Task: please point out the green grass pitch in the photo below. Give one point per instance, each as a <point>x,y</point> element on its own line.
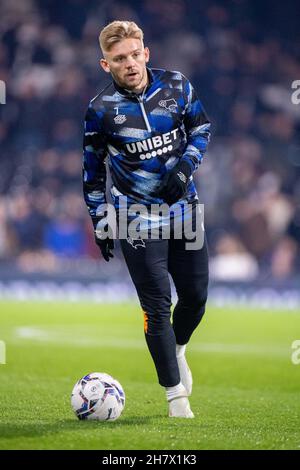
<point>245,395</point>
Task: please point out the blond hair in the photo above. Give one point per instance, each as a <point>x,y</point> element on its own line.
<point>116,31</point>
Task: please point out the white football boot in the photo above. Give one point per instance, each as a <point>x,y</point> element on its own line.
<point>186,377</point>
<point>180,408</point>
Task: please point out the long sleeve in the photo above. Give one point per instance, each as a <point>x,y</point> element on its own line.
<point>94,170</point>
<point>197,127</point>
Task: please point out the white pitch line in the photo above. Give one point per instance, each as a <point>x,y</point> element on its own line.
<point>68,339</point>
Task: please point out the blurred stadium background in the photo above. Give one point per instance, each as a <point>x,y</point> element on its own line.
<point>242,58</point>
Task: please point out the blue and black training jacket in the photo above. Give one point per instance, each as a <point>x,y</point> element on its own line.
<point>142,136</point>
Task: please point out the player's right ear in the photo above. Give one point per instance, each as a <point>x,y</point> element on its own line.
<point>147,54</point>
<point>105,65</point>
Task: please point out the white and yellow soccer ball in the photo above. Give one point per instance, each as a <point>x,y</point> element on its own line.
<point>98,396</point>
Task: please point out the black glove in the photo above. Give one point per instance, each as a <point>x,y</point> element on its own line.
<point>105,247</point>
<point>103,238</point>
<point>175,182</point>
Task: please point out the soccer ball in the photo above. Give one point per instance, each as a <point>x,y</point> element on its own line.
<point>98,396</point>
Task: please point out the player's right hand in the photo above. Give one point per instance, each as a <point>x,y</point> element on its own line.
<point>103,232</point>
<point>105,246</point>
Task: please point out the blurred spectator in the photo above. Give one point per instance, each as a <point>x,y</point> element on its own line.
<point>64,237</point>
<point>63,233</point>
<point>283,262</point>
<point>232,262</point>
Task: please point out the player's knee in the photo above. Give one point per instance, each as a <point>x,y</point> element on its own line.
<point>155,299</point>
<point>194,298</point>
<point>156,323</point>
<point>200,298</point>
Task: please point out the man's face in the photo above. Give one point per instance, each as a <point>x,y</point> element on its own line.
<point>126,61</point>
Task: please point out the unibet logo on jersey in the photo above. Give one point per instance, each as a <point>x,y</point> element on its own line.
<point>154,146</point>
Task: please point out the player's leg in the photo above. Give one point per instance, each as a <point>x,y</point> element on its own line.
<point>189,270</point>
<point>147,262</point>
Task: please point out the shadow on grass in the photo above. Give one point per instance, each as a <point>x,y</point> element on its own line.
<point>12,431</point>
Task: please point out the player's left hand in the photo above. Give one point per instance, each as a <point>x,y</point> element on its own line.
<point>174,184</point>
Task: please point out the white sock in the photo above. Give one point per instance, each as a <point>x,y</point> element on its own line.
<point>175,392</point>
<point>180,350</point>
